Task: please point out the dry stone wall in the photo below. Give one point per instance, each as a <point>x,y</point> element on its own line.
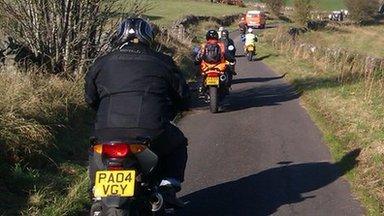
<point>180,27</point>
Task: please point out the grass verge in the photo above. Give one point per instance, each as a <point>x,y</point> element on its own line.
<point>44,129</point>
<point>348,119</point>
<point>363,39</point>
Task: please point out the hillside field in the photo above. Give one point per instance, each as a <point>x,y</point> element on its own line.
<point>321,4</point>
<point>164,12</point>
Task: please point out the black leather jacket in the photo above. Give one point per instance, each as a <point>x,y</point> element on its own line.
<point>134,88</point>
<point>228,42</point>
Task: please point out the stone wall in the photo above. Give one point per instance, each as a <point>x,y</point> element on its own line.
<point>180,27</point>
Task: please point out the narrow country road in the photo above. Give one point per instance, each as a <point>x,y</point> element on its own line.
<point>262,155</point>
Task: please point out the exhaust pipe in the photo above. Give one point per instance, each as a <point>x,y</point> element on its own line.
<point>157,202</point>
<point>223,78</point>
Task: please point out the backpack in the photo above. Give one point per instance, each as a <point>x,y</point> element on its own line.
<point>212,53</point>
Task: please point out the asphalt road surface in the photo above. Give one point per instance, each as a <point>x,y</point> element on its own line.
<point>262,155</point>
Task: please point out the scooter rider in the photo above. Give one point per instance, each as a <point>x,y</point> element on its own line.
<point>214,52</point>
<point>250,38</point>
<point>135,91</point>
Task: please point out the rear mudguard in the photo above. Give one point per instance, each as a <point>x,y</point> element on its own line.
<point>148,161</point>
<point>116,202</point>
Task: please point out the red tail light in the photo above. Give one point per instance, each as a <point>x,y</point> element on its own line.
<point>116,150</point>
<point>213,74</point>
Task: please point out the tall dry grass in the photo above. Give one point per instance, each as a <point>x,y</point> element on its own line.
<point>32,107</point>
<point>44,127</point>
<point>302,11</point>
<point>349,65</point>
<point>361,11</point>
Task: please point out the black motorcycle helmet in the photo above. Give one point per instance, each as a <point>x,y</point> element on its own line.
<point>225,34</point>
<point>212,35</point>
<point>134,30</point>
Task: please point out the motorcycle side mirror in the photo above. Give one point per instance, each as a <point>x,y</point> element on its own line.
<point>196,50</point>
<point>231,48</point>
<point>92,140</point>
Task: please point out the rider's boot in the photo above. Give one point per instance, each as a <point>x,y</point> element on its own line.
<point>168,190</point>
<point>201,89</point>
<point>201,92</point>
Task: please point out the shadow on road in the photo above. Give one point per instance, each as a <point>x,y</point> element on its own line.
<point>261,58</point>
<point>256,79</point>
<point>267,95</point>
<point>264,192</point>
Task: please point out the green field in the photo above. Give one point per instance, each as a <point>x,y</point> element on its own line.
<point>164,12</point>
<point>326,4</point>
<point>362,39</point>
<point>321,4</point>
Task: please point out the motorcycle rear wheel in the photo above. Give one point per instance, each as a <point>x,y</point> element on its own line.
<point>249,56</point>
<point>214,99</point>
<point>114,212</point>
<point>110,211</point>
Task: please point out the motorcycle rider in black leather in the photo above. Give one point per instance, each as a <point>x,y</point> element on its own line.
<point>136,92</point>
<point>228,42</point>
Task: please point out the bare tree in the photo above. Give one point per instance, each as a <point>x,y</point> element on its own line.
<point>361,11</point>
<point>275,6</point>
<point>302,11</point>
<point>139,7</point>
<point>64,35</point>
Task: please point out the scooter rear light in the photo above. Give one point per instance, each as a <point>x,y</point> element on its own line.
<point>112,150</point>
<point>116,150</point>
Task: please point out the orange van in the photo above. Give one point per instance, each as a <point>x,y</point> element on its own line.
<point>256,19</point>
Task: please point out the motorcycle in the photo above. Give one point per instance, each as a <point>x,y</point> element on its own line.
<point>127,180</point>
<point>250,51</point>
<point>215,81</point>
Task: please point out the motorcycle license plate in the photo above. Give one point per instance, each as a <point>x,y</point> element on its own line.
<point>115,183</point>
<point>251,49</point>
<point>212,81</point>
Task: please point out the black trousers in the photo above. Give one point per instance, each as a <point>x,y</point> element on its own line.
<point>171,148</point>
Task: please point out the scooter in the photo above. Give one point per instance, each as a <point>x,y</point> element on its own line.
<point>250,51</point>
<point>127,179</point>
